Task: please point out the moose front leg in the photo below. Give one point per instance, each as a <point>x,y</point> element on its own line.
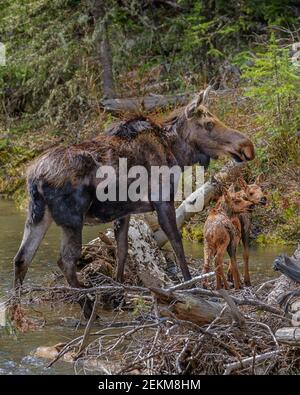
<point>167,220</point>
<point>121,235</point>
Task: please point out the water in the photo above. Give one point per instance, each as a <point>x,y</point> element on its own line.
<point>16,353</point>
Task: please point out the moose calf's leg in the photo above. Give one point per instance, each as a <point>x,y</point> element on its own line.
<point>245,241</point>
<point>233,265</point>
<point>34,233</point>
<point>207,262</point>
<point>69,254</point>
<point>220,276</point>
<point>121,235</point>
<point>247,280</point>
<point>167,221</point>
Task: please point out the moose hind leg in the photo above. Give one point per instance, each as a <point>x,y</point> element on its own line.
<point>208,258</point>
<point>70,252</point>
<point>231,249</point>
<point>245,240</point>
<point>220,276</point>
<point>167,221</point>
<point>34,233</point>
<point>121,235</point>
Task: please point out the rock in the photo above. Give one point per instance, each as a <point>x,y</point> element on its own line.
<point>51,352</point>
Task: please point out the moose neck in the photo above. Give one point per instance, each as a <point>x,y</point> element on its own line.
<point>185,153</point>
<point>225,208</point>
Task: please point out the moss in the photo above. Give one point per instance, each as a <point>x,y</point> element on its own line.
<point>270,239</point>
<point>193,232</point>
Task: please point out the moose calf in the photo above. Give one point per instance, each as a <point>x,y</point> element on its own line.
<point>242,222</point>
<point>220,235</point>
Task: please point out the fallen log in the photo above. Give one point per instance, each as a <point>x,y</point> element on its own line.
<point>189,308</point>
<point>290,335</point>
<point>145,103</point>
<point>288,266</point>
<point>152,101</point>
<point>287,285</point>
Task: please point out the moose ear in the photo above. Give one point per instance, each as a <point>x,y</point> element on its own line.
<point>259,179</point>
<point>201,98</point>
<point>190,109</point>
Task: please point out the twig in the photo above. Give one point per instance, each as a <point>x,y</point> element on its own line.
<point>266,285</point>
<point>236,314</point>
<point>269,330</point>
<point>249,361</point>
<point>100,288</point>
<point>193,281</point>
<point>88,328</point>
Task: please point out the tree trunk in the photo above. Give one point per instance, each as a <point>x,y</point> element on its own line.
<point>107,65</point>
<point>289,336</point>
<point>102,42</point>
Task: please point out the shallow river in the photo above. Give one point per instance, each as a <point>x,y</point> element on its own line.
<point>15,352</point>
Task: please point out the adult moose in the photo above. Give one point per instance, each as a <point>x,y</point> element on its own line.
<point>62,182</point>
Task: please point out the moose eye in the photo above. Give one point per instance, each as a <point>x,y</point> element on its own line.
<point>209,126</point>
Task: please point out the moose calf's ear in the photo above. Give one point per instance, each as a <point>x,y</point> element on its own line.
<point>226,196</point>
<point>259,179</point>
<point>242,183</point>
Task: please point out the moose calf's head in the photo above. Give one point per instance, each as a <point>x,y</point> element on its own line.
<point>237,202</point>
<point>254,191</point>
<point>211,137</point>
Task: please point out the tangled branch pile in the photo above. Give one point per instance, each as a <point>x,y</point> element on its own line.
<point>158,327</point>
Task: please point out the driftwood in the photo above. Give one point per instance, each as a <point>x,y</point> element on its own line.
<point>146,263</point>
<point>205,193</point>
<point>287,286</point>
<point>289,266</point>
<point>189,308</point>
<point>289,335</point>
<point>146,103</point>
